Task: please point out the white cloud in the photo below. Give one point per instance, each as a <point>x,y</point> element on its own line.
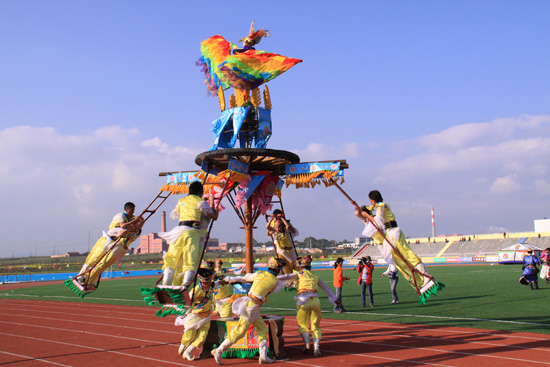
<point>505,185</point>
<point>67,185</point>
<point>323,152</point>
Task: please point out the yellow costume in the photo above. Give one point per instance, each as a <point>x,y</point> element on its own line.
<point>385,219</point>
<point>107,242</point>
<point>283,242</point>
<point>184,240</point>
<point>222,294</point>
<point>249,307</point>
<point>308,305</point>
<point>196,321</point>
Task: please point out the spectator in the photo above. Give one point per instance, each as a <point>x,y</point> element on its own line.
<point>545,269</point>
<point>338,282</point>
<point>530,270</point>
<point>365,269</point>
<point>393,276</point>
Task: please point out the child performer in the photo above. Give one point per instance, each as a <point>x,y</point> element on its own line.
<point>197,321</point>
<point>222,292</point>
<point>249,307</point>
<point>307,303</point>
<point>283,233</point>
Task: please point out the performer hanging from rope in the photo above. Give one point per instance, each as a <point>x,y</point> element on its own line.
<point>197,320</point>
<point>307,303</point>
<point>185,248</point>
<point>124,229</point>
<point>381,225</point>
<point>283,233</point>
<point>249,307</point>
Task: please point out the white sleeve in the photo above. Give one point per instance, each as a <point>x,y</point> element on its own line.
<point>288,278</point>
<point>205,208</point>
<point>324,287</point>
<point>379,217</point>
<point>248,278</point>
<point>118,218</point>
<point>174,214</point>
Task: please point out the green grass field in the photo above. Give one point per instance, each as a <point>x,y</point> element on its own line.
<point>477,296</point>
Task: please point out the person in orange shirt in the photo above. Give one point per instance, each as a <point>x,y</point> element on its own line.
<point>338,282</point>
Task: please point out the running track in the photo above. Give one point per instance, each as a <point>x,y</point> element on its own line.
<point>44,333</point>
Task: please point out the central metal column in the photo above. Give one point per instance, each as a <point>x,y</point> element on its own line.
<point>249,236</point>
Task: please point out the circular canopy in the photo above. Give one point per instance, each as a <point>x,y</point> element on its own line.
<point>258,159</point>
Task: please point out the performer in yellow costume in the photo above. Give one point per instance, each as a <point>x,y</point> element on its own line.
<point>197,320</point>
<point>222,292</point>
<point>249,307</point>
<point>404,258</point>
<point>181,260</point>
<point>283,234</point>
<point>125,226</point>
<point>307,303</point>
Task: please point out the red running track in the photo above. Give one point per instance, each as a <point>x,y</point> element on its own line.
<point>44,333</point>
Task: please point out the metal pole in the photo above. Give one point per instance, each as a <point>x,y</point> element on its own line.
<point>249,236</point>
<point>433,223</point>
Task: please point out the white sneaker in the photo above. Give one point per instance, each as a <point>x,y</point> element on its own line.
<point>187,354</point>
<point>181,349</point>
<point>217,356</point>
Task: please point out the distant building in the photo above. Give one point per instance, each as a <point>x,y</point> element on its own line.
<point>224,247</point>
<point>362,240</point>
<point>542,225</point>
<point>151,244</point>
<point>68,254</point>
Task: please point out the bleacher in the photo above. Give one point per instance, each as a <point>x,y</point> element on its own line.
<point>463,246</point>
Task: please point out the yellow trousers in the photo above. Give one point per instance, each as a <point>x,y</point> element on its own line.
<point>310,312</point>
<point>196,337</point>
<point>241,329</point>
<point>226,310</point>
<point>410,257</point>
<point>96,252</point>
<point>116,253</point>
<point>290,257</point>
<point>186,248</point>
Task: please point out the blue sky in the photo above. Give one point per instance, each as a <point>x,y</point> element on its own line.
<point>442,104</point>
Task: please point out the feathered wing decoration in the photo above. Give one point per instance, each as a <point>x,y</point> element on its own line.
<point>214,51</point>
<point>245,70</point>
<point>250,69</point>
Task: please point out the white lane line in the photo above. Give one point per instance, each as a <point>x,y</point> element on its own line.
<point>420,316</point>
<point>96,349</point>
<point>32,359</point>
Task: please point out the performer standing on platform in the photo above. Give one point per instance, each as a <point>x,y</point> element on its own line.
<point>119,228</point>
<point>402,256</point>
<point>185,240</point>
<point>249,307</point>
<point>307,303</point>
<point>283,233</point>
<point>197,320</point>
